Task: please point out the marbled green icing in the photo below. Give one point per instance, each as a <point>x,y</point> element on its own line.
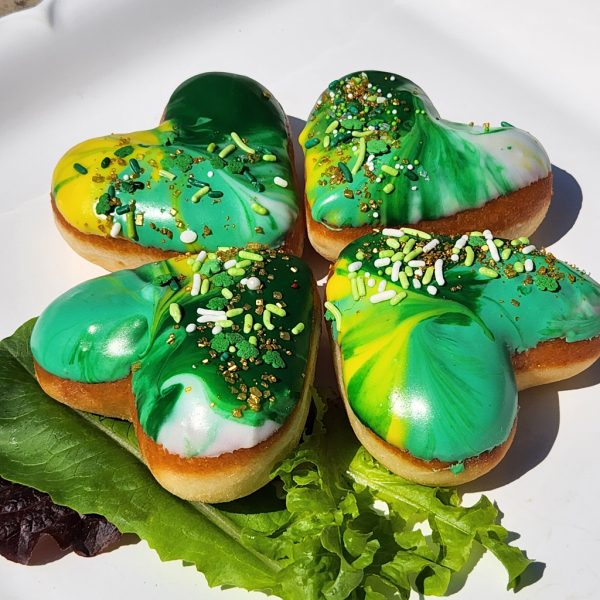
<point>432,374</point>
<point>100,329</point>
<point>442,167</point>
<point>204,110</point>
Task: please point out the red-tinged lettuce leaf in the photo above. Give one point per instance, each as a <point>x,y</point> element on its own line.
<point>27,514</point>
<point>318,534</point>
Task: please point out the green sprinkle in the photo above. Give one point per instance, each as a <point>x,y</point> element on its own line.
<point>514,242</point>
<point>393,243</point>
<point>398,256</point>
<point>252,339</point>
<point>403,280</point>
<point>388,188</point>
<point>215,194</point>
<point>250,256</point>
<point>476,234</point>
<point>242,264</point>
<point>227,150</point>
<point>389,170</point>
<point>408,271</point>
<point>346,174</point>
<point>326,141</point>
<point>360,157</point>
<point>360,255</point>
<point>124,151</point>
<point>236,272</point>
<point>428,275</point>
<point>196,266</point>
<point>242,145</point>
<point>269,157</point>
<point>388,270</point>
<point>498,243</point>
<point>130,225</point>
<point>386,253</point>
<point>175,312</point>
<point>267,320</point>
<point>225,324</point>
<point>524,240</point>
<point>201,192</point>
<point>398,298</point>
<point>354,287</point>
<point>80,168</point>
<point>166,174</point>
<point>336,314</point>
<point>211,147</point>
<point>234,312</point>
<point>470,259</point>
<point>105,162</point>
<point>123,209</point>
<point>205,286</point>
<point>362,134</point>
<point>333,125</point>
<point>111,191</point>
<point>519,267</point>
<point>416,252</point>
<point>299,328</point>
<point>227,293</point>
<point>360,285</point>
<point>506,253</point>
<point>248,323</point>
<point>487,272</point>
<point>457,468</point>
<point>421,234</point>
<point>257,326</point>
<point>352,275</point>
<point>259,209</point>
<point>135,165</point>
<point>277,310</point>
<point>409,245</point>
<point>311,142</point>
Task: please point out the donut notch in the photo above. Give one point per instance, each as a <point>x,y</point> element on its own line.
<point>433,336</point>
<point>378,154</point>
<point>217,171</point>
<point>212,359</point>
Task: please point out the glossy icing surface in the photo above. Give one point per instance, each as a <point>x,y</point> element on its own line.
<point>217,345</point>
<point>217,168</point>
<point>378,153</point>
<point>426,330</point>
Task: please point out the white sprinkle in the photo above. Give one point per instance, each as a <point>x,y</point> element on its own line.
<point>371,282</point>
<point>211,319</point>
<point>494,251</point>
<point>188,236</point>
<point>430,246</point>
<point>392,78</point>
<point>416,284</point>
<point>190,328</point>
<point>216,329</point>
<point>381,286</point>
<point>528,249</point>
<point>196,282</point>
<point>454,258</point>
<point>280,181</point>
<point>229,264</point>
<point>115,230</point>
<point>254,283</point>
<point>382,296</point>
<point>461,242</point>
<point>378,180</point>
<point>393,232</point>
<point>201,256</point>
<point>380,99</point>
<point>409,167</point>
<point>375,215</point>
<point>125,177</point>
<point>208,311</point>
<point>396,270</point>
<point>416,263</point>
<point>355,266</point>
<point>394,112</point>
<point>529,265</point>
<point>439,271</point>
<point>367,275</point>
<point>487,234</point>
<point>418,272</point>
<point>244,280</point>
<point>323,281</point>
<point>431,289</point>
<point>388,95</point>
<point>414,188</point>
<point>210,174</point>
<point>382,262</point>
<point>397,166</point>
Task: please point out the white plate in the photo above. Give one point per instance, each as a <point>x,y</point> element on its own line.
<point>71,69</point>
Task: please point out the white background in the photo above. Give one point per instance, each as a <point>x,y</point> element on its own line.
<point>71,69</point>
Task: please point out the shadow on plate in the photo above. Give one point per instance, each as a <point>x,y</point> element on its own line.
<point>564,209</point>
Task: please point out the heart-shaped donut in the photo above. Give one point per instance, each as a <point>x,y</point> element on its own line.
<point>212,358</point>
<point>433,336</point>
<point>378,154</point>
<point>217,172</point>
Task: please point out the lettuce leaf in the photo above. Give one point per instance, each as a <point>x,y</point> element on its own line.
<point>334,524</point>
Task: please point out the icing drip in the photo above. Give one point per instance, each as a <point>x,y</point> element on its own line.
<point>216,365</point>
<point>377,152</point>
<point>426,348</point>
<point>209,176</point>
